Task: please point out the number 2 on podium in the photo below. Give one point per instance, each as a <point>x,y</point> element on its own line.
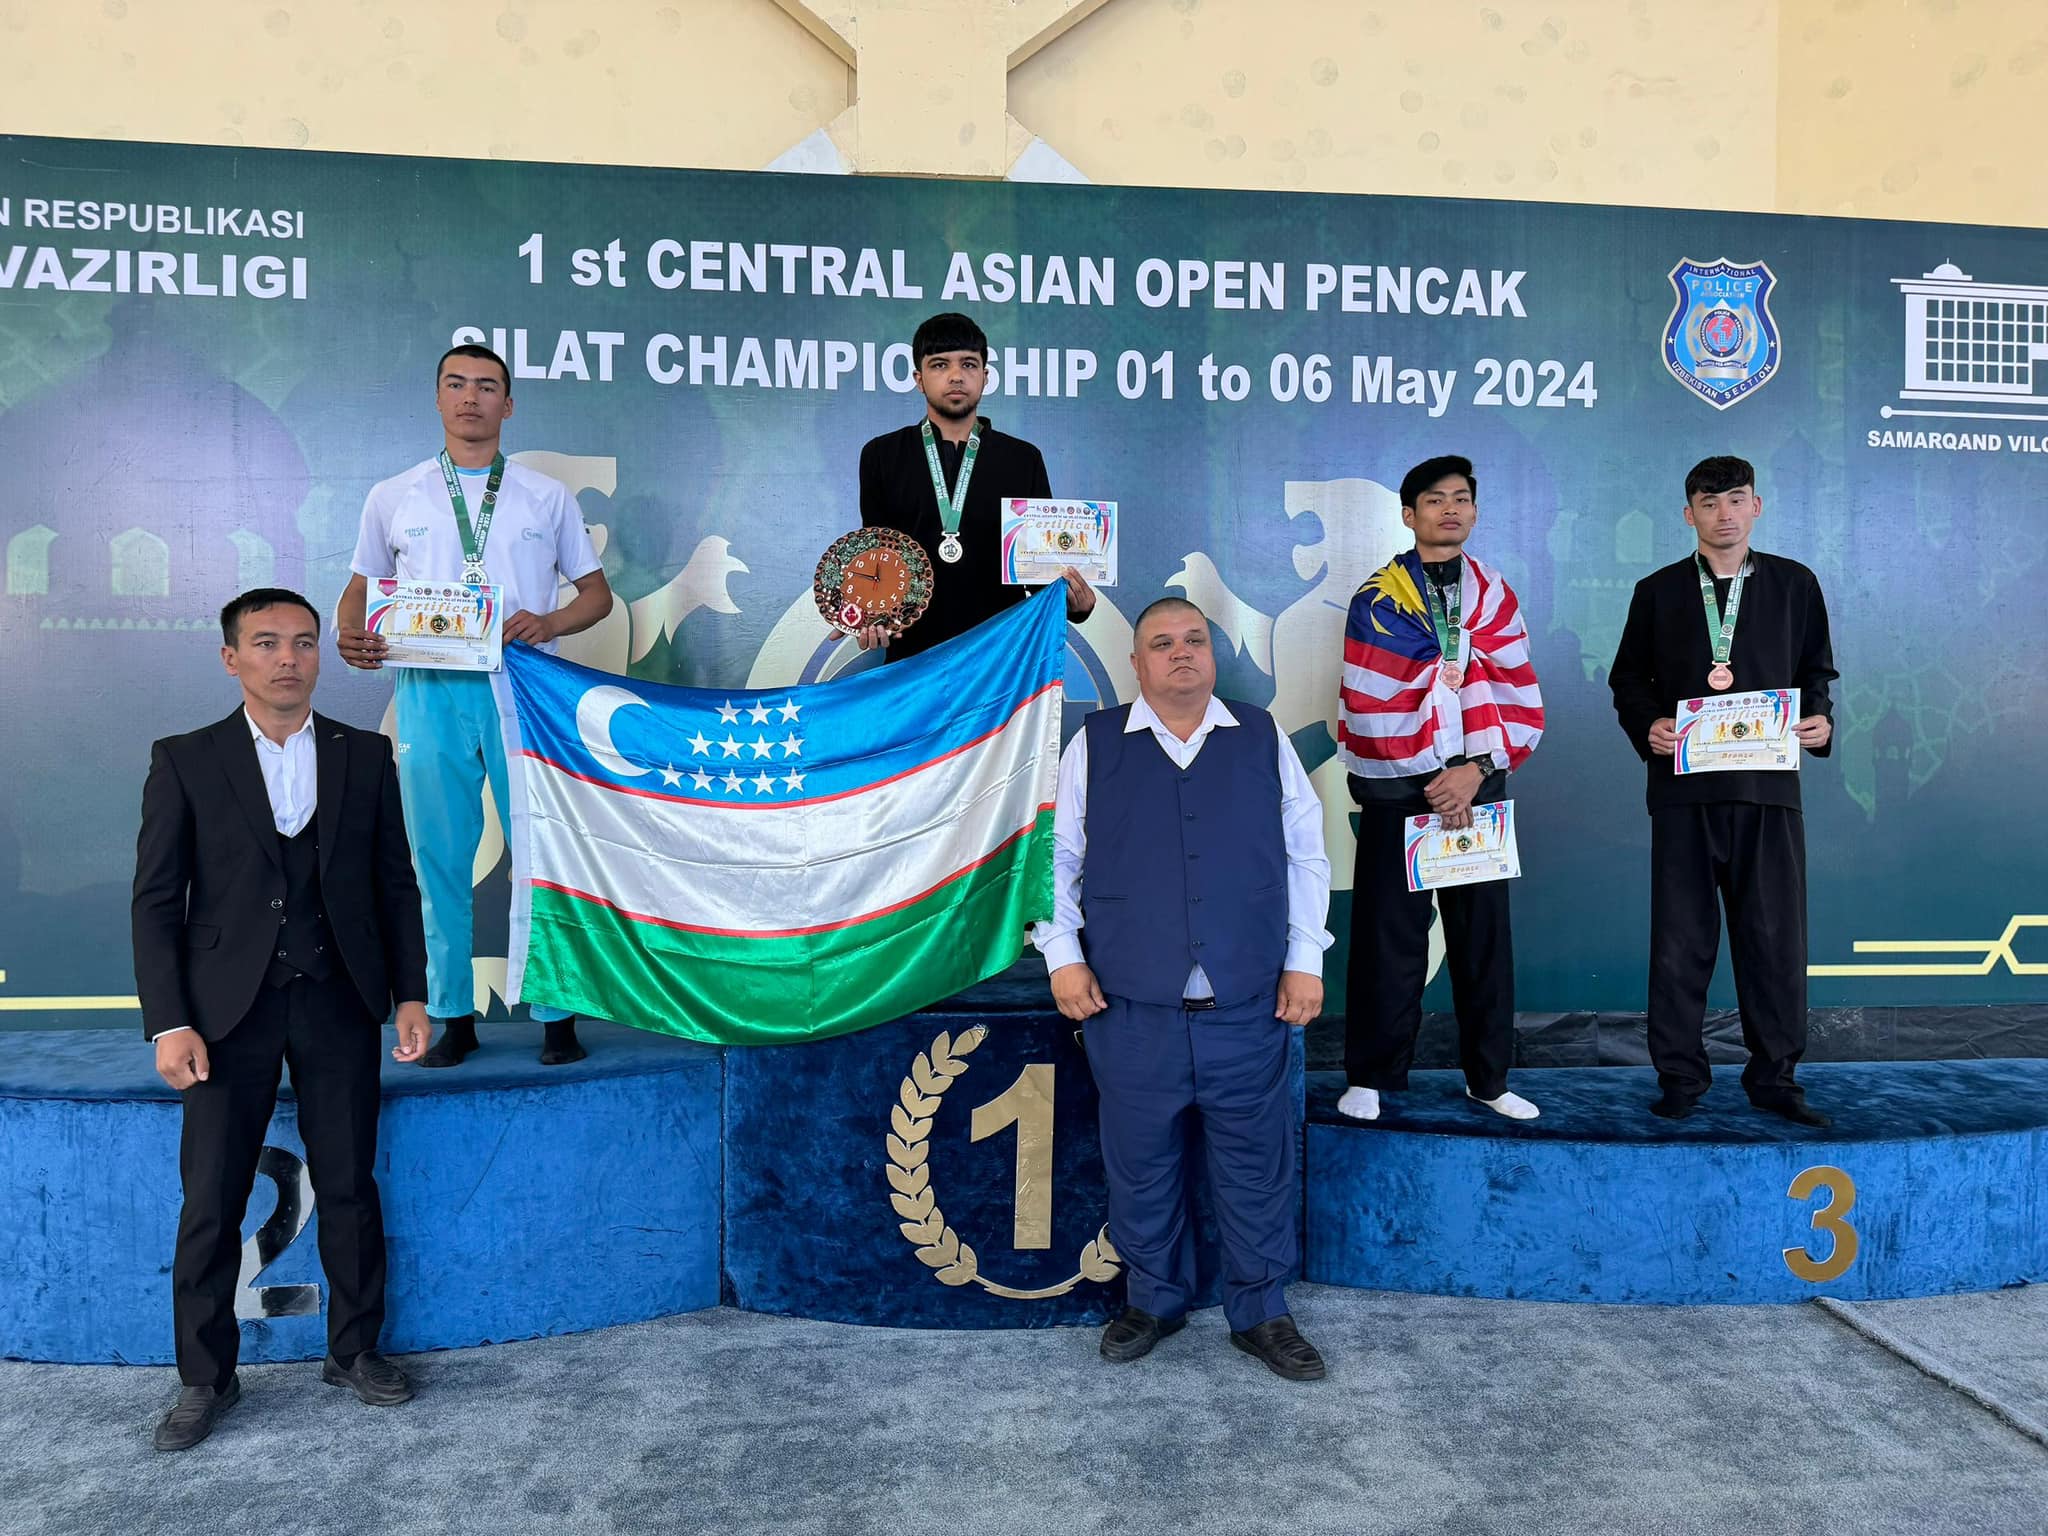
<point>1831,1218</point>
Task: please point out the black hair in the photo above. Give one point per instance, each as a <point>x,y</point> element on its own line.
<point>1429,471</point>
<point>253,599</point>
<point>1723,472</point>
<point>477,350</point>
<point>1160,605</point>
<point>949,332</point>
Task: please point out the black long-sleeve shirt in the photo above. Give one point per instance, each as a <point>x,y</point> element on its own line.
<point>896,492</point>
<point>1781,641</point>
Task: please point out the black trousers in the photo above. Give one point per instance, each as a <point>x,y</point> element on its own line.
<point>1750,859</point>
<point>1390,964</point>
<point>322,1029</point>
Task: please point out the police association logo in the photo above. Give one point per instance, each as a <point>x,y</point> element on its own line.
<point>1721,342</point>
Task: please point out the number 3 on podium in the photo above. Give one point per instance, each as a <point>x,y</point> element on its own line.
<point>1831,1218</point>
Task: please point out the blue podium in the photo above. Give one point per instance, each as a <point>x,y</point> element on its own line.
<point>518,1200</point>
<point>1930,1181</point>
<point>941,1171</point>
<point>944,1171</point>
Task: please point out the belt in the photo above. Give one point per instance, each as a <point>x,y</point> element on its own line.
<point>1198,1004</point>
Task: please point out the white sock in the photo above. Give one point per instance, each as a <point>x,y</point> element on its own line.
<point>1360,1103</point>
<point>1513,1105</point>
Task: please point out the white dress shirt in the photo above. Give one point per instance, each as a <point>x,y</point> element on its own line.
<point>1301,824</point>
<point>290,773</point>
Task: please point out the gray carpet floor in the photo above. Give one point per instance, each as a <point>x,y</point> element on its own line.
<point>1441,1415</point>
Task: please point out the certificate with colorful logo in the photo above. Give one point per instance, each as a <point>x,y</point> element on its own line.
<point>1738,730</point>
<point>437,623</point>
<point>1042,538</point>
<point>1438,856</point>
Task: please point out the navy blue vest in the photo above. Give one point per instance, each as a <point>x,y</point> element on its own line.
<point>1184,866</point>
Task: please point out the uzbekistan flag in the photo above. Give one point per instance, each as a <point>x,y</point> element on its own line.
<point>771,867</point>
<point>1396,717</point>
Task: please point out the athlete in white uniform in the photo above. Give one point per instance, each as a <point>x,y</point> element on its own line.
<point>464,507</point>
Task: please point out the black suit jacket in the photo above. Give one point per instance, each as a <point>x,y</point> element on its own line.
<point>1781,641</point>
<point>210,883</point>
<point>896,492</point>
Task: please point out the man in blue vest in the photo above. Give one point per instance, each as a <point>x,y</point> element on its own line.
<point>1193,948</point>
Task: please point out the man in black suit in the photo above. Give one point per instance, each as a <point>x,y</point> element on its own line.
<point>943,482</point>
<point>1726,617</point>
<point>276,919</point>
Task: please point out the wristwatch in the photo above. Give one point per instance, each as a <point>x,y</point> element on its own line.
<point>1484,763</point>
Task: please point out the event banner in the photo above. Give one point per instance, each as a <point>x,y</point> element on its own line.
<point>208,357</point>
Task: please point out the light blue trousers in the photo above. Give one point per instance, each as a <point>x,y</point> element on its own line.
<point>448,745</point>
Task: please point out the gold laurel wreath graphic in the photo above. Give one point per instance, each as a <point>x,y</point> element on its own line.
<point>910,1178</point>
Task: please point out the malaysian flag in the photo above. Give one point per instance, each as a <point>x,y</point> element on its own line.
<point>1397,714</point>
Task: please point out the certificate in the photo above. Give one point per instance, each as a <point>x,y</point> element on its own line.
<point>1738,730</point>
<point>437,623</point>
<point>1042,538</point>
<point>1438,856</point>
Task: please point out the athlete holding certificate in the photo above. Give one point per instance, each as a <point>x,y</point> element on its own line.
<point>464,538</point>
<point>944,482</point>
<point>1437,704</point>
<point>1727,832</point>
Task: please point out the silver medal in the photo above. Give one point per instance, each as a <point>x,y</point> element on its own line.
<point>949,549</point>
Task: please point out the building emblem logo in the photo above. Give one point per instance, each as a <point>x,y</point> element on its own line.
<point>1973,344</point>
<point>1721,342</point>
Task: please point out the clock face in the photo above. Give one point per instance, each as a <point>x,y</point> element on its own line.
<point>878,580</point>
<point>873,576</point>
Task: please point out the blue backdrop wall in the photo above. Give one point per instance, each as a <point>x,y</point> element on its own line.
<point>207,356</point>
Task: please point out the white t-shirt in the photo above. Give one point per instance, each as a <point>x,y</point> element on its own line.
<point>537,537</point>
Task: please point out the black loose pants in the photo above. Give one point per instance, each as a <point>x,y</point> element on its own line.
<point>1390,964</point>
<point>333,1045</point>
<point>1750,859</point>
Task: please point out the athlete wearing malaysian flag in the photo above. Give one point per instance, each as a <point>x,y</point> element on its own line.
<point>1438,704</point>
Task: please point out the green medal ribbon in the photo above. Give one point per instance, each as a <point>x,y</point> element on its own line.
<point>473,539</point>
<point>1446,608</point>
<point>951,505</point>
<point>1720,626</point>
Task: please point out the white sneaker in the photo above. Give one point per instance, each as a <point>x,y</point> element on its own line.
<point>1513,1105</point>
<point>1361,1103</point>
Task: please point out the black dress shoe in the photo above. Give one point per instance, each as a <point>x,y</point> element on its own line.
<point>1286,1353</point>
<point>1675,1106</point>
<point>559,1045</point>
<point>1792,1106</point>
<point>193,1416</point>
<point>1132,1333</point>
<point>374,1379</point>
<point>458,1039</point>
